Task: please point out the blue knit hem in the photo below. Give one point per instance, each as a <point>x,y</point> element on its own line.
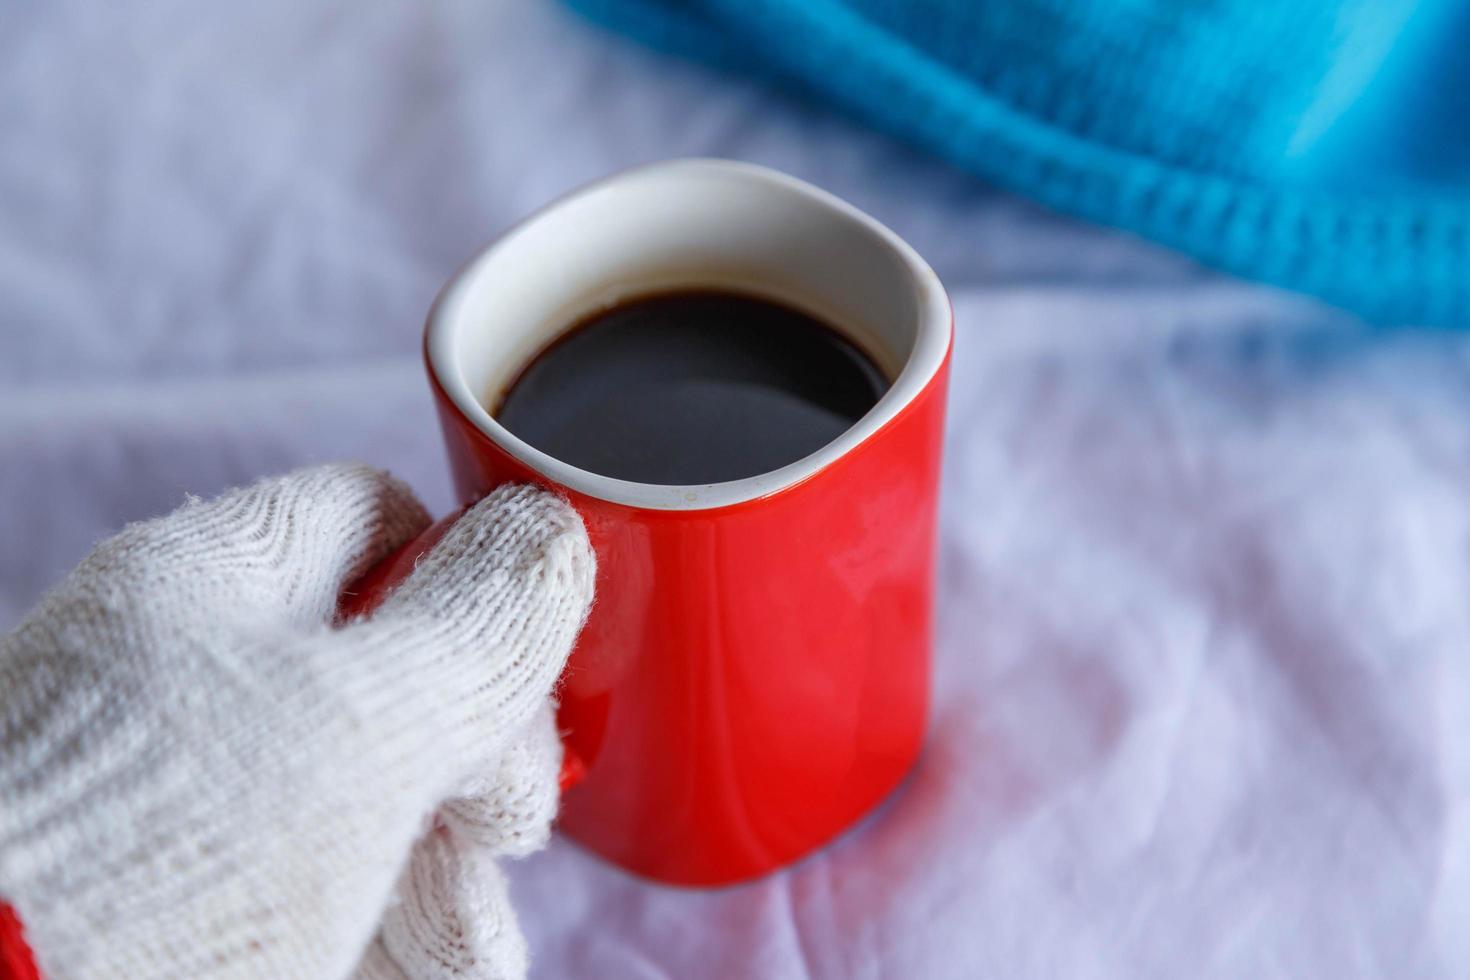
<point>1395,256</point>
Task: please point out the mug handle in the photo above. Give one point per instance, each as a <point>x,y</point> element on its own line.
<point>361,596</point>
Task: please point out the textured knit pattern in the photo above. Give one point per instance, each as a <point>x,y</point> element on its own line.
<point>452,918</point>
<point>1317,145</point>
<point>202,778</point>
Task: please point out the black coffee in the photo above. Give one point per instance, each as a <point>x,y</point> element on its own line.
<point>691,387</point>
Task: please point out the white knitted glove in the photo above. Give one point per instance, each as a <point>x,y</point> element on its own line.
<point>200,777</point>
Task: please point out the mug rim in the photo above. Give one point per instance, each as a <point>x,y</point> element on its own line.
<point>932,338</point>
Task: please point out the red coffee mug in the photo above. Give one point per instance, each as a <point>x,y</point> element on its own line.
<point>754,674</point>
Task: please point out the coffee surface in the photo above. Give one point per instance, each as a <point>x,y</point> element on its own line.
<point>691,387</point>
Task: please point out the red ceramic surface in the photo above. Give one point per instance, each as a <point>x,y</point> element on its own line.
<point>754,674</point>
<point>752,679</point>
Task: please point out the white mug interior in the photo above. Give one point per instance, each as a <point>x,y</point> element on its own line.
<point>686,223</point>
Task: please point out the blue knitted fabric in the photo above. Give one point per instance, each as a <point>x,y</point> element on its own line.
<point>1321,145</point>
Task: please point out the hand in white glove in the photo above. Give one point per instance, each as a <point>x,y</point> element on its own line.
<point>200,777</point>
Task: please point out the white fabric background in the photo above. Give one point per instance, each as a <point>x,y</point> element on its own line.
<point>1202,705</point>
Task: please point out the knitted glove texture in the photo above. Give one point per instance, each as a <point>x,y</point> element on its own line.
<point>201,777</point>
